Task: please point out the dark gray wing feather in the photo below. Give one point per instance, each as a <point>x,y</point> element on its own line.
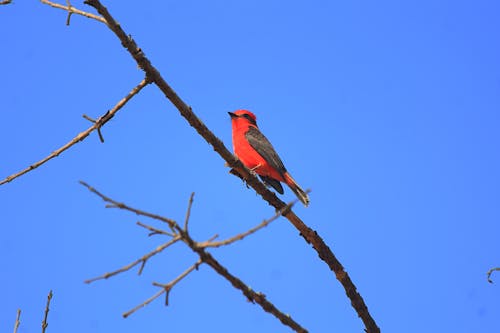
<point>262,145</point>
<point>273,183</point>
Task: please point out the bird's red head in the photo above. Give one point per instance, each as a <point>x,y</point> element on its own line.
<point>243,118</point>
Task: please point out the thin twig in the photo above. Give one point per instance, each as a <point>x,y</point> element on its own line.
<point>44,322</point>
<point>165,288</point>
<point>5,2</point>
<point>207,258</point>
<point>142,260</point>
<point>18,320</point>
<point>72,10</point>
<point>92,120</point>
<point>488,274</point>
<point>311,236</point>
<point>143,304</point>
<point>120,205</point>
<point>188,212</point>
<point>81,136</point>
<point>238,237</point>
<point>155,231</point>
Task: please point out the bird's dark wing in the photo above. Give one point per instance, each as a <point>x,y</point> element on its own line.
<point>273,183</point>
<point>262,145</point>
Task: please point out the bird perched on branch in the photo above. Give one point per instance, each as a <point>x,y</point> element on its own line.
<point>256,152</point>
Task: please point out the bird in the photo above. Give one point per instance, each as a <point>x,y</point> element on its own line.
<point>255,151</point>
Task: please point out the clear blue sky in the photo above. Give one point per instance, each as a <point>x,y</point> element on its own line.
<point>389,111</point>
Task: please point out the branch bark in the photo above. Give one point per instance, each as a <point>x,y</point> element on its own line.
<point>309,235</point>
<point>81,136</point>
<point>205,257</point>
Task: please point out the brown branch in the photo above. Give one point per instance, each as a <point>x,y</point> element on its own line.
<point>44,322</point>
<point>81,136</point>
<point>72,10</point>
<point>207,258</point>
<point>309,235</point>
<point>165,288</point>
<point>5,2</point>
<point>238,237</point>
<point>18,320</point>
<point>142,260</point>
<point>188,212</point>
<point>488,274</point>
<point>156,231</point>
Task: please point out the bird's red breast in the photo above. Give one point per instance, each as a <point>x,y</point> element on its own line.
<point>253,148</point>
<point>257,153</point>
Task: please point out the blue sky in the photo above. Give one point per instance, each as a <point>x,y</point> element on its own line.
<point>387,111</point>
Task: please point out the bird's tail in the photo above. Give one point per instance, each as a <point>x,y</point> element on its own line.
<point>299,192</point>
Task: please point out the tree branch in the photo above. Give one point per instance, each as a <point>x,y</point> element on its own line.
<point>165,289</point>
<point>141,261</point>
<point>72,10</point>
<point>18,320</point>
<point>81,136</point>
<point>238,237</point>
<point>44,322</point>
<point>206,258</point>
<point>309,235</point>
<point>488,274</point>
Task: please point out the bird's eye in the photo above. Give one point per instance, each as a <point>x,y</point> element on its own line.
<point>247,116</point>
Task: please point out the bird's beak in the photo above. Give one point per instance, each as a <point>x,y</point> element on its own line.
<point>232,115</point>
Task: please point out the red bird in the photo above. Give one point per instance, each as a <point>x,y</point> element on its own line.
<point>256,152</point>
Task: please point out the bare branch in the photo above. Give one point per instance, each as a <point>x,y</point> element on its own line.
<point>488,274</point>
<point>165,288</point>
<point>81,136</point>
<point>207,258</point>
<point>155,231</point>
<point>311,236</point>
<point>238,237</point>
<point>5,2</point>
<point>143,304</point>
<point>72,10</point>
<point>18,320</point>
<point>141,261</point>
<point>120,205</point>
<point>44,322</point>
<point>188,212</point>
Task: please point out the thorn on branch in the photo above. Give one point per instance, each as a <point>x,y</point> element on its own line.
<point>69,12</point>
<point>72,10</point>
<point>99,123</point>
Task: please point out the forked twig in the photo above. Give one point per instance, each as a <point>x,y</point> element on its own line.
<point>165,289</point>
<point>72,10</point>
<point>265,223</point>
<point>81,136</point>
<point>204,257</point>
<point>311,236</point>
<point>141,261</point>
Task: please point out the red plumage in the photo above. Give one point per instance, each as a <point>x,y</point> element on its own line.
<point>257,153</point>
